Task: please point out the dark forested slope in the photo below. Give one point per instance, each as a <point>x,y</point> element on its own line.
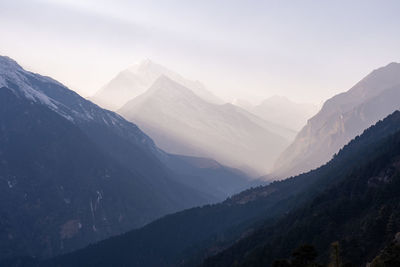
<point>361,211</point>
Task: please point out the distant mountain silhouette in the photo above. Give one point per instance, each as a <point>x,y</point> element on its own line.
<point>282,111</point>
<point>137,79</point>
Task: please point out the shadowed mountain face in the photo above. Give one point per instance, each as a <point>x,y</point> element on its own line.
<point>342,118</point>
<point>181,122</point>
<point>342,187</point>
<point>137,79</point>
<point>72,173</point>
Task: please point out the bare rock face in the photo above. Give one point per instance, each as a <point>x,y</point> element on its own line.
<point>342,118</point>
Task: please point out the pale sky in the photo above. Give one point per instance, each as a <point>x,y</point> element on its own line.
<point>250,49</point>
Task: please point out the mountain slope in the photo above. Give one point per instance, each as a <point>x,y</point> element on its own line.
<point>275,128</point>
<point>58,190</point>
<point>180,122</point>
<point>209,176</point>
<point>137,79</point>
<point>72,173</point>
<point>342,118</point>
<point>185,238</point>
<point>359,211</point>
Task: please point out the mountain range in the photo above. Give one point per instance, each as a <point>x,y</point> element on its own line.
<point>73,173</point>
<point>342,118</point>
<point>135,80</point>
<point>82,186</point>
<point>356,188</point>
<point>181,122</point>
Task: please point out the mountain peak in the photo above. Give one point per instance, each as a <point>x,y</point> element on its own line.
<point>377,81</point>
<point>391,67</point>
<point>8,64</point>
<point>146,61</point>
<point>165,85</point>
<point>135,80</point>
<point>147,65</point>
<point>392,64</point>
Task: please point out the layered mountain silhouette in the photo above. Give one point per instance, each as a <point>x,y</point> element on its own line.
<point>358,187</point>
<point>341,118</point>
<point>284,112</point>
<point>137,79</point>
<point>181,122</point>
<point>73,173</point>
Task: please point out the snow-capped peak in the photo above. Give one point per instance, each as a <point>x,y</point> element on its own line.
<point>46,91</point>
<point>15,78</point>
<point>8,64</point>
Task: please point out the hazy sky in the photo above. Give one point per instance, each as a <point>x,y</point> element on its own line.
<point>251,49</point>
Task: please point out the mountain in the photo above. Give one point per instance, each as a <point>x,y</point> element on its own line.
<point>341,118</point>
<point>180,122</point>
<point>358,214</point>
<point>244,104</point>
<point>137,79</point>
<point>281,111</point>
<point>275,128</point>
<point>186,238</point>
<point>73,173</point>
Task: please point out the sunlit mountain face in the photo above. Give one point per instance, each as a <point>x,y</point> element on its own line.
<point>342,118</point>
<point>183,123</point>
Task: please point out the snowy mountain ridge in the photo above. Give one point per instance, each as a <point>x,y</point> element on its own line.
<point>65,102</point>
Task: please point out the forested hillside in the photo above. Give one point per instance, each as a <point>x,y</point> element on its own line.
<point>360,211</point>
